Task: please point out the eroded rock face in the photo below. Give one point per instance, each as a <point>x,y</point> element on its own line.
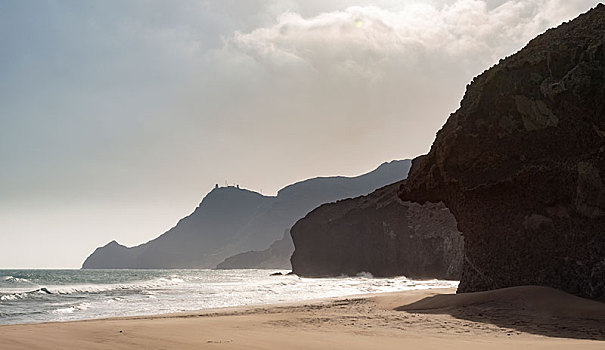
<point>521,164</point>
<point>379,234</point>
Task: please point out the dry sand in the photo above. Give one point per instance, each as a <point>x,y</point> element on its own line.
<point>520,318</point>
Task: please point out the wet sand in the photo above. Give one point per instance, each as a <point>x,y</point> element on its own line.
<point>521,317</point>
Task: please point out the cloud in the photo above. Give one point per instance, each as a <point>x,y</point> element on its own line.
<point>367,78</point>
<point>366,37</point>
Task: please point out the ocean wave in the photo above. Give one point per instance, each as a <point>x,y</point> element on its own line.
<point>140,287</point>
<point>91,294</point>
<point>100,288</point>
<point>72,308</point>
<point>12,297</point>
<point>23,295</point>
<point>113,300</point>
<point>364,274</point>
<point>14,279</point>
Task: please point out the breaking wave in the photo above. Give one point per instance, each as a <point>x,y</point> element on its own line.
<point>46,295</point>
<point>92,288</point>
<point>99,288</point>
<point>14,279</point>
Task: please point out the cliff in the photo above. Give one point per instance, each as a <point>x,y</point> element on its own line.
<point>231,221</point>
<point>521,165</point>
<point>277,256</point>
<point>379,234</point>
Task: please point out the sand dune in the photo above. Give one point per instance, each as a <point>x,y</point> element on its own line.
<point>529,309</point>
<point>519,317</point>
<point>532,299</point>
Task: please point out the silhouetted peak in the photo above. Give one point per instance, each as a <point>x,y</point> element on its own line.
<point>114,244</point>
<point>226,194</point>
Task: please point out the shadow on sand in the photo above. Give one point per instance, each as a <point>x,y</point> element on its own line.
<point>530,309</point>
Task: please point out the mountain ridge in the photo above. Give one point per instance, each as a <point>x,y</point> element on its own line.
<point>232,220</point>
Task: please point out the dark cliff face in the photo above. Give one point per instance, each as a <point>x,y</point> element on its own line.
<point>379,234</point>
<point>231,220</point>
<point>521,165</point>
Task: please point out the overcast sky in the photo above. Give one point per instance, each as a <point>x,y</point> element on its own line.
<point>117,117</point>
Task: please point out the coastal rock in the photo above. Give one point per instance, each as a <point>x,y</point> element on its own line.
<point>231,220</point>
<point>277,256</point>
<point>379,234</point>
<point>521,165</point>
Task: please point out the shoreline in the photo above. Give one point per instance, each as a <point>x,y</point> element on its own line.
<point>36,301</point>
<point>236,308</point>
<point>428,319</point>
<point>285,289</point>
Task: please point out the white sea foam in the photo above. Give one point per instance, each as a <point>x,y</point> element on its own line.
<point>99,288</point>
<point>365,275</point>
<point>83,295</point>
<point>14,279</point>
<point>23,295</point>
<point>11,297</point>
<point>73,308</point>
<point>141,287</point>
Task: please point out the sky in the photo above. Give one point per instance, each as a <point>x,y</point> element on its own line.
<point>117,117</point>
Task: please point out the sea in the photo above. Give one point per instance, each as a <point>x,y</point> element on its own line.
<point>34,296</point>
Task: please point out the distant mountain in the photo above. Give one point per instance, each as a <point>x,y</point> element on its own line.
<point>230,220</point>
<point>277,256</point>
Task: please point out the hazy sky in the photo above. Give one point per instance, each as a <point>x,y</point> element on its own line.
<point>117,117</point>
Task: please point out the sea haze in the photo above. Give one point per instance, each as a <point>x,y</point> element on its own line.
<point>31,296</point>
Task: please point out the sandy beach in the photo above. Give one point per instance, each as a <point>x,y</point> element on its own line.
<point>521,317</point>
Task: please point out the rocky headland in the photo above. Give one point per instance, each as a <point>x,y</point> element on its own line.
<point>521,165</point>
<point>379,234</point>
